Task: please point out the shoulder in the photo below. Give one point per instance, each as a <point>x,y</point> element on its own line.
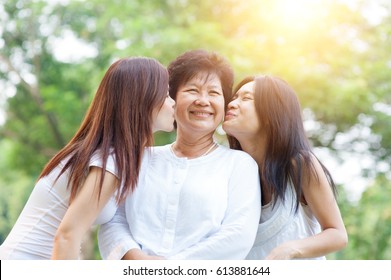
<point>97,155</point>
<point>236,153</point>
<point>158,153</point>
<point>307,159</point>
<point>159,150</point>
<point>315,167</point>
<point>111,165</point>
<point>237,157</point>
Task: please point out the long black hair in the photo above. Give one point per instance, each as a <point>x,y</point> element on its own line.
<point>288,154</point>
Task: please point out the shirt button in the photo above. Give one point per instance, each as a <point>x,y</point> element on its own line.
<point>172,201</point>
<point>170,224</point>
<point>166,244</point>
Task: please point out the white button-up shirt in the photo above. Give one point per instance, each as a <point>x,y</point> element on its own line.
<point>202,208</point>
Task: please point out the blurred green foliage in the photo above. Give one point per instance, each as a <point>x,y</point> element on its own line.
<point>336,58</point>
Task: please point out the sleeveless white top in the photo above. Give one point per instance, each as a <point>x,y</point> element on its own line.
<point>281,224</point>
<point>33,233</point>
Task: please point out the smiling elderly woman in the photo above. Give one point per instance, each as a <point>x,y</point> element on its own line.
<point>195,199</point>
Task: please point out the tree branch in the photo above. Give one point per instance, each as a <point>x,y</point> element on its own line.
<point>35,93</point>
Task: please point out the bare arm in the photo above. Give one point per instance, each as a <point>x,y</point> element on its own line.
<point>137,254</point>
<point>82,213</point>
<point>333,237</point>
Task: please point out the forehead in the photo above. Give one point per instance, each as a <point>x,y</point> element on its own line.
<point>205,78</point>
<point>249,87</point>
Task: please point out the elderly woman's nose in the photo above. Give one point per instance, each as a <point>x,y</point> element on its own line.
<point>202,99</point>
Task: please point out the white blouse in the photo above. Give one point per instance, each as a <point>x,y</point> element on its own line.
<point>281,223</point>
<point>33,234</point>
<point>202,208</point>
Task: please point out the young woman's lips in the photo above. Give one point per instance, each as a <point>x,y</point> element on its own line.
<point>229,115</point>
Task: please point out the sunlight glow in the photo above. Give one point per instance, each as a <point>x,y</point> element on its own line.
<point>299,14</point>
<point>64,48</point>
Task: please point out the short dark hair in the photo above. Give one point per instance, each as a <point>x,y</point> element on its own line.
<point>190,63</point>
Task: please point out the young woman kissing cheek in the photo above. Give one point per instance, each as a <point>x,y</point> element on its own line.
<point>241,119</point>
<point>163,117</point>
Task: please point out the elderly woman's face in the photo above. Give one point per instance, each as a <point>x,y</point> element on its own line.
<point>200,104</point>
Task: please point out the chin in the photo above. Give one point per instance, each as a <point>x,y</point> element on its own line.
<point>226,128</point>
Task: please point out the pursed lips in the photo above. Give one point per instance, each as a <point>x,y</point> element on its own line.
<point>230,115</point>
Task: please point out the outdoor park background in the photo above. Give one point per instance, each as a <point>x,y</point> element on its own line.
<point>335,53</point>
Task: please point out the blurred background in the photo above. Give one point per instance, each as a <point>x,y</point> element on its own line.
<point>335,53</point>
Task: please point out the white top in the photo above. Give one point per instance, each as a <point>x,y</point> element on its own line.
<point>202,208</point>
<point>281,224</point>
<point>33,234</point>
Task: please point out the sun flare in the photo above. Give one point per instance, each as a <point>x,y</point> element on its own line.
<point>298,14</point>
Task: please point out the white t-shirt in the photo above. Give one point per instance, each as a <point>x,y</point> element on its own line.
<point>33,234</point>
<point>281,224</point>
<point>202,208</point>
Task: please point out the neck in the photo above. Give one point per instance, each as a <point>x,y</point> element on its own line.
<point>193,148</point>
<point>255,147</point>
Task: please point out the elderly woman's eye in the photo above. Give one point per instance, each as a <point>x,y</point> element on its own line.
<point>214,92</point>
<point>191,90</point>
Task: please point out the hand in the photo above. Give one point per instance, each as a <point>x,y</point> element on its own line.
<point>283,252</point>
<point>137,254</point>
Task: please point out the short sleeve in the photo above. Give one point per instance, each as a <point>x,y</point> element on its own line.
<point>96,160</point>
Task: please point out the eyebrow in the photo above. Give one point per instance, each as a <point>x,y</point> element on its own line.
<point>244,92</point>
<point>216,87</point>
<point>190,85</point>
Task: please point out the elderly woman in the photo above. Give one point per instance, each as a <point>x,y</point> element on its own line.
<point>195,199</point>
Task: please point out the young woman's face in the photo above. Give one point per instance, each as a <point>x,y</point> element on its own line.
<point>163,119</point>
<point>241,117</point>
<point>200,104</point>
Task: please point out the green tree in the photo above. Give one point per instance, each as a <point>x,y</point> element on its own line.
<point>14,190</point>
<point>336,59</point>
<point>369,224</point>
